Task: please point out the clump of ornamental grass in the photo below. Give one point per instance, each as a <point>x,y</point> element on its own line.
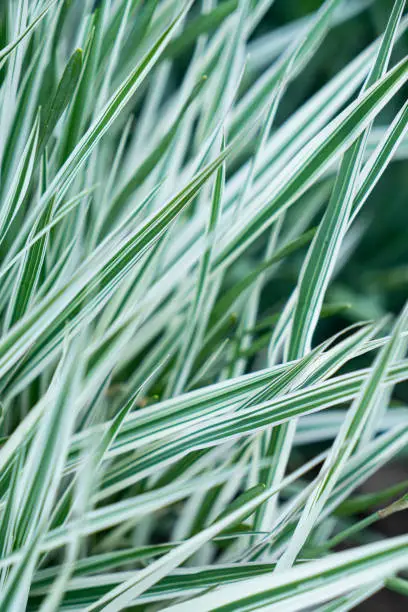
<point>197,372</point>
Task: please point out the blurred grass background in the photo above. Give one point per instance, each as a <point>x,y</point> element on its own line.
<point>375,278</point>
